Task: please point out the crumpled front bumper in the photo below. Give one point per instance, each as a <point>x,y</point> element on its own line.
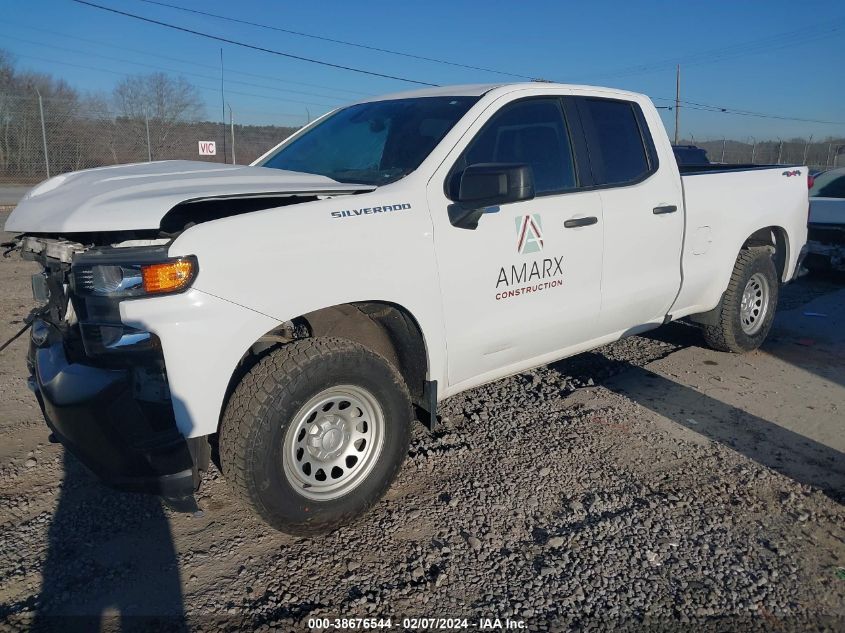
<point>129,444</point>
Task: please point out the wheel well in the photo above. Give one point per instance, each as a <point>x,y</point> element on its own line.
<point>385,328</point>
<point>774,236</point>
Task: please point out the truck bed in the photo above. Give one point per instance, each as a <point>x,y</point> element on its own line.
<point>689,170</point>
<point>726,203</point>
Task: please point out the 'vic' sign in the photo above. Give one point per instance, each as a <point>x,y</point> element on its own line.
<point>208,148</point>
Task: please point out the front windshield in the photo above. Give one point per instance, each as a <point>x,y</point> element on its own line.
<point>373,143</point>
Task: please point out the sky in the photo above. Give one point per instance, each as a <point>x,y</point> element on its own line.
<point>772,57</point>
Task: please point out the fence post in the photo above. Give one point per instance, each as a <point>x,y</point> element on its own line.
<point>149,147</point>
<point>232,126</point>
<point>43,131</point>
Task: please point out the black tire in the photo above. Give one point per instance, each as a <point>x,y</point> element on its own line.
<point>728,335</point>
<point>265,403</point>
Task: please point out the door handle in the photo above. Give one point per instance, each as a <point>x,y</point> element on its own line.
<point>668,208</point>
<point>576,222</point>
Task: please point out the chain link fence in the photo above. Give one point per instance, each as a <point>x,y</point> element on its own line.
<point>820,155</point>
<point>49,136</point>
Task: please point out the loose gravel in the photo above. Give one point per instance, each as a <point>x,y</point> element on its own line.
<point>546,497</point>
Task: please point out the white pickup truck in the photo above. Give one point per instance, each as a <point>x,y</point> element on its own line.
<point>299,312</point>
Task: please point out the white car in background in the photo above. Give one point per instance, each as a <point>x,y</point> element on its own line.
<point>826,225</point>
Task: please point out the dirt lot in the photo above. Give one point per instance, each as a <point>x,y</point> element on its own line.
<point>652,484</point>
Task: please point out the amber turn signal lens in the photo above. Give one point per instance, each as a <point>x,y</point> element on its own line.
<point>167,277</point>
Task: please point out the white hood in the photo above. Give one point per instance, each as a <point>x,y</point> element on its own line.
<point>136,197</point>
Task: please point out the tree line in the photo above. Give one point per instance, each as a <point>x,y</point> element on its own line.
<point>154,116</point>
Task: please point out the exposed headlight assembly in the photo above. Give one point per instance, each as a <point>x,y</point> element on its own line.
<point>134,280</point>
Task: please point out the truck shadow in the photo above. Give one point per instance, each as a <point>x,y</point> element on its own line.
<point>110,564</point>
<point>789,453</point>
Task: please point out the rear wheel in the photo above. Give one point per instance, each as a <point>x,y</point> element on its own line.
<point>315,433</point>
<point>748,306</point>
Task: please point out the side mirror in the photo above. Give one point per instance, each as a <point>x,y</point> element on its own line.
<point>487,185</point>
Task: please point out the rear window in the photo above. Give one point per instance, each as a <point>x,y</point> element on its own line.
<point>830,184</point>
<point>619,153</point>
<point>690,156</point>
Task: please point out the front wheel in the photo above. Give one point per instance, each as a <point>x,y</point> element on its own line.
<point>315,433</point>
<point>748,306</point>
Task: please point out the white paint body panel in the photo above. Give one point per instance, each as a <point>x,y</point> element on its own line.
<point>202,338</point>
<point>488,332</point>
<point>727,208</point>
<point>259,269</point>
<point>136,197</point>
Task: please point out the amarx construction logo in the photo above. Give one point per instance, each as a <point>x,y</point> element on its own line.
<point>529,233</point>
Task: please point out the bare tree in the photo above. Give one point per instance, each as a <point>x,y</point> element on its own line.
<point>160,102</point>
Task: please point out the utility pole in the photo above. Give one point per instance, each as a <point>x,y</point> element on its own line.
<point>677,103</point>
<point>722,160</point>
<point>753,148</point>
<point>829,150</point>
<point>232,126</point>
<point>43,130</point>
<point>807,149</point>
<point>780,150</point>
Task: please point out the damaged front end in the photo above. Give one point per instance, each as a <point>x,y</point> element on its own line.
<point>102,237</point>
<point>101,385</point>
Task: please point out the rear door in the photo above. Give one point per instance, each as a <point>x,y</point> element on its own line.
<point>527,281</point>
<point>642,202</point>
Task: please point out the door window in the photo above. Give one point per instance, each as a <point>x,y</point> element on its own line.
<point>621,151</point>
<point>531,132</point>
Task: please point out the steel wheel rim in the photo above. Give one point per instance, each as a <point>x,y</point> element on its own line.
<point>755,304</point>
<point>333,443</point>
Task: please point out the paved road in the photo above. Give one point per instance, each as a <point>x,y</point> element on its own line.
<point>11,194</point>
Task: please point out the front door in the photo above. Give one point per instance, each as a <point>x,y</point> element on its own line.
<point>526,283</point>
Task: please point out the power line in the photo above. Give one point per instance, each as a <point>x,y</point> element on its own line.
<point>769,43</point>
<point>336,41</point>
<point>706,107</point>
<point>801,33</point>
<point>751,113</point>
<point>200,87</point>
<point>181,72</point>
<point>184,61</point>
<point>252,46</point>
<point>772,42</point>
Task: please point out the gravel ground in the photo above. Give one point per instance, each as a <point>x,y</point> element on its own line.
<point>554,497</point>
